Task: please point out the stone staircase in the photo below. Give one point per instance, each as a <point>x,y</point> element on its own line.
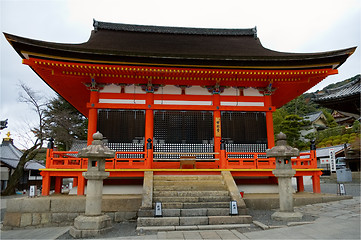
<point>191,202</point>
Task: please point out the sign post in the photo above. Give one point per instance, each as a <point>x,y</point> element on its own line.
<point>332,160</point>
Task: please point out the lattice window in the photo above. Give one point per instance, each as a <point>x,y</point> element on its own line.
<point>244,127</point>
<point>122,126</point>
<point>183,148</point>
<point>187,127</point>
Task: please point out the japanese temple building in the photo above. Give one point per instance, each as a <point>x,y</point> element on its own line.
<point>177,100</point>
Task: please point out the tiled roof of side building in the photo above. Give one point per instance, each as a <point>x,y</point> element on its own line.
<point>313,116</point>
<point>350,89</point>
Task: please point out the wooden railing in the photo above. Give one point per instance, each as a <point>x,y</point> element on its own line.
<point>251,160</point>
<point>137,160</point>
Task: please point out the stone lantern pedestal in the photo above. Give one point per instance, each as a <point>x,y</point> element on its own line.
<point>284,173</point>
<point>93,223</point>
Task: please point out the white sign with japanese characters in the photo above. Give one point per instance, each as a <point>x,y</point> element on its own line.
<point>332,160</point>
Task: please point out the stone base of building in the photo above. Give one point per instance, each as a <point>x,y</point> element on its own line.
<point>90,226</point>
<point>286,216</point>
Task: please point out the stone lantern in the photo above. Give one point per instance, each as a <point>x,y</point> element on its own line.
<point>93,223</point>
<point>284,172</point>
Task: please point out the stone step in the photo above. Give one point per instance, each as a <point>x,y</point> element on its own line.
<point>193,182</point>
<point>190,212</point>
<point>190,221</point>
<point>189,193</point>
<point>181,205</point>
<point>192,199</point>
<point>184,187</point>
<point>186,178</point>
<point>191,228</point>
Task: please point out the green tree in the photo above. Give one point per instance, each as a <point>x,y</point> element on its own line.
<point>278,117</point>
<point>64,123</point>
<point>356,126</point>
<point>291,126</point>
<point>330,120</point>
<point>301,105</point>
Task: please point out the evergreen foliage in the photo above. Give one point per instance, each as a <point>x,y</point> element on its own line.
<point>64,123</point>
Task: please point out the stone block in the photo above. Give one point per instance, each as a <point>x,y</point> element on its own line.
<point>189,221</point>
<point>217,220</point>
<point>36,205</point>
<point>306,201</point>
<point>233,189</point>
<point>147,190</point>
<point>218,211</point>
<point>193,212</point>
<point>36,219</point>
<point>262,203</point>
<point>215,199</point>
<point>26,220</point>
<point>73,205</point>
<point>124,216</point>
<point>126,203</point>
<point>206,205</point>
<point>12,219</point>
<point>72,216</point>
<point>110,215</point>
<point>45,218</point>
<point>15,205</point>
<point>164,221</point>
<point>75,233</point>
<point>59,217</point>
<point>92,222</point>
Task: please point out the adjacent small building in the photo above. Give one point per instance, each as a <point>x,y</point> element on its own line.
<point>9,159</point>
<point>317,121</point>
<point>345,98</point>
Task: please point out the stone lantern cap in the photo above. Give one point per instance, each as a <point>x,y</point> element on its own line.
<point>282,149</point>
<point>96,149</point>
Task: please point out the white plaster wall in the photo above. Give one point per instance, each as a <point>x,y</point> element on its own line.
<point>197,90</point>
<point>230,92</point>
<point>130,89</point>
<point>251,92</point>
<point>111,88</point>
<point>169,89</point>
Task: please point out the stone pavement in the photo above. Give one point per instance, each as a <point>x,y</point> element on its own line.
<point>336,220</point>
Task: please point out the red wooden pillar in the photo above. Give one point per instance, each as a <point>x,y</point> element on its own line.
<point>316,183</point>
<point>45,191</point>
<point>93,114</point>
<point>300,185</point>
<point>81,184</point>
<point>58,184</point>
<point>269,122</point>
<point>217,129</point>
<point>149,128</point>
<point>75,182</point>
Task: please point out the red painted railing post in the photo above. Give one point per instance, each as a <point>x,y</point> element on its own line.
<point>223,158</point>
<point>313,154</point>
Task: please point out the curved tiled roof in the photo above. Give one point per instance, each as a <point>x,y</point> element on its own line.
<point>349,89</point>
<point>177,46</point>
<point>10,155</point>
<point>174,30</point>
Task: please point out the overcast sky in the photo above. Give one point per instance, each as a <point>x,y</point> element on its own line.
<point>286,26</point>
